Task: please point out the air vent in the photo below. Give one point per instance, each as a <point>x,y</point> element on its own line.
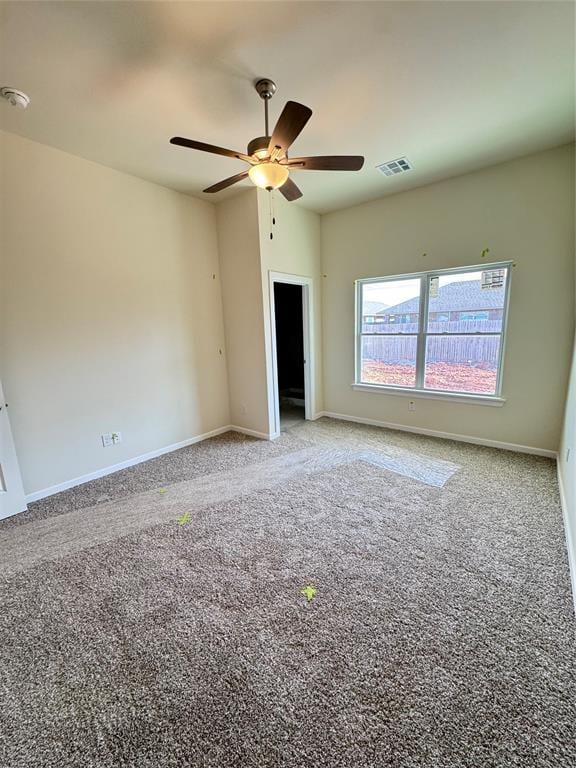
<point>394,167</point>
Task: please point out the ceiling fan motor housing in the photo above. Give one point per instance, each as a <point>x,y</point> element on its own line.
<point>260,144</point>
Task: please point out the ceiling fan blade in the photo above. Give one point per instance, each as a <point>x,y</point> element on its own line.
<point>191,144</point>
<point>326,163</point>
<point>293,118</point>
<point>227,182</point>
<point>290,190</point>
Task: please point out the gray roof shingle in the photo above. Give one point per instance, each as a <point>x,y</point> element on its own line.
<point>373,307</point>
<point>465,295</point>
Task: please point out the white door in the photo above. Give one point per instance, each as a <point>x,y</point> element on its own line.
<point>12,498</point>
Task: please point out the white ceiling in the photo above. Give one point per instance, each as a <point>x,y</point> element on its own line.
<point>454,86</point>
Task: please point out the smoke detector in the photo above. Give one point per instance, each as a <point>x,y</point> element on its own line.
<point>15,97</point>
<point>392,167</point>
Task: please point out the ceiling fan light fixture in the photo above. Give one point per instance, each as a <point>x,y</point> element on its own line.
<point>268,175</point>
<point>267,155</point>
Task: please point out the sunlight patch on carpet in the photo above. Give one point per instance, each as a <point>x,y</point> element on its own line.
<point>73,531</point>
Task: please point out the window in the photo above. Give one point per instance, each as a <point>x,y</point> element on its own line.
<point>473,316</point>
<point>440,332</point>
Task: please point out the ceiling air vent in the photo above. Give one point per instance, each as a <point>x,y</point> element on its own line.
<point>394,167</point>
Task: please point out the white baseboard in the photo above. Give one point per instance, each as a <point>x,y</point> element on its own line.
<point>50,491</point>
<point>59,487</point>
<point>252,433</point>
<point>444,435</point>
<point>569,533</point>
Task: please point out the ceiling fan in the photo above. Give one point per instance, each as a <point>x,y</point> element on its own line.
<point>267,155</point>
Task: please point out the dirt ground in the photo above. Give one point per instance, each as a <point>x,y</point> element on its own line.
<point>448,376</point>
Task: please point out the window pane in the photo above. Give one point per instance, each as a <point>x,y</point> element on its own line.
<point>468,302</point>
<point>389,360</point>
<point>392,306</point>
<point>462,363</point>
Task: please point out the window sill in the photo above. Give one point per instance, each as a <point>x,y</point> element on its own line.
<point>491,400</point>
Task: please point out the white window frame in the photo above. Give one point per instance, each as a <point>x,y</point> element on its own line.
<point>421,335</point>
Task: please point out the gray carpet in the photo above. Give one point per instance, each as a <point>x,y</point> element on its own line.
<point>441,635</point>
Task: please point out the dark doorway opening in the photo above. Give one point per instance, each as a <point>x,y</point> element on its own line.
<point>290,352</point>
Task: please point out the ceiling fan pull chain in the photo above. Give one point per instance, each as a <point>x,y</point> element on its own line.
<point>273,208</point>
<point>270,212</point>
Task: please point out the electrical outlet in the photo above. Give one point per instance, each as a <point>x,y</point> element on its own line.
<point>411,405</point>
<point>243,409</point>
<point>111,438</point>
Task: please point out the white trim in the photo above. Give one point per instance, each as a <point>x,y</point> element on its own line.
<point>12,498</point>
<point>59,487</point>
<point>252,432</point>
<point>445,435</point>
<point>307,284</point>
<point>487,265</point>
<point>431,395</point>
<point>568,532</point>
<point>421,339</point>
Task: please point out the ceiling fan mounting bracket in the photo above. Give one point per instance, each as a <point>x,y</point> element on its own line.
<point>265,87</point>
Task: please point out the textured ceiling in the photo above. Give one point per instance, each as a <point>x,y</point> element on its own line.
<point>454,86</point>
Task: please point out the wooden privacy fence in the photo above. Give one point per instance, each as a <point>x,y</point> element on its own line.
<point>480,351</point>
<point>443,326</point>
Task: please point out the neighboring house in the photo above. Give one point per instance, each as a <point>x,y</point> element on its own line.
<point>372,309</point>
<point>464,321</point>
<point>462,302</point>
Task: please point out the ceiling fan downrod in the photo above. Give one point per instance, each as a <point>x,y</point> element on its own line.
<point>266,88</point>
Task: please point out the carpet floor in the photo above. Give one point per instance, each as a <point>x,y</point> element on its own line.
<point>154,618</point>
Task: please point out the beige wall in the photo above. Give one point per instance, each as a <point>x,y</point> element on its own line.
<point>295,250</point>
<point>111,319</point>
<point>521,210</point>
<point>567,456</point>
<point>239,247</point>
<point>247,255</point>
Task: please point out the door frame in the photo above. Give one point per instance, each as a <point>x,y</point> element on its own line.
<point>307,284</point>
<point>12,497</point>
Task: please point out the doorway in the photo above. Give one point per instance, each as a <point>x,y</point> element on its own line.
<point>290,353</point>
<point>291,321</point>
